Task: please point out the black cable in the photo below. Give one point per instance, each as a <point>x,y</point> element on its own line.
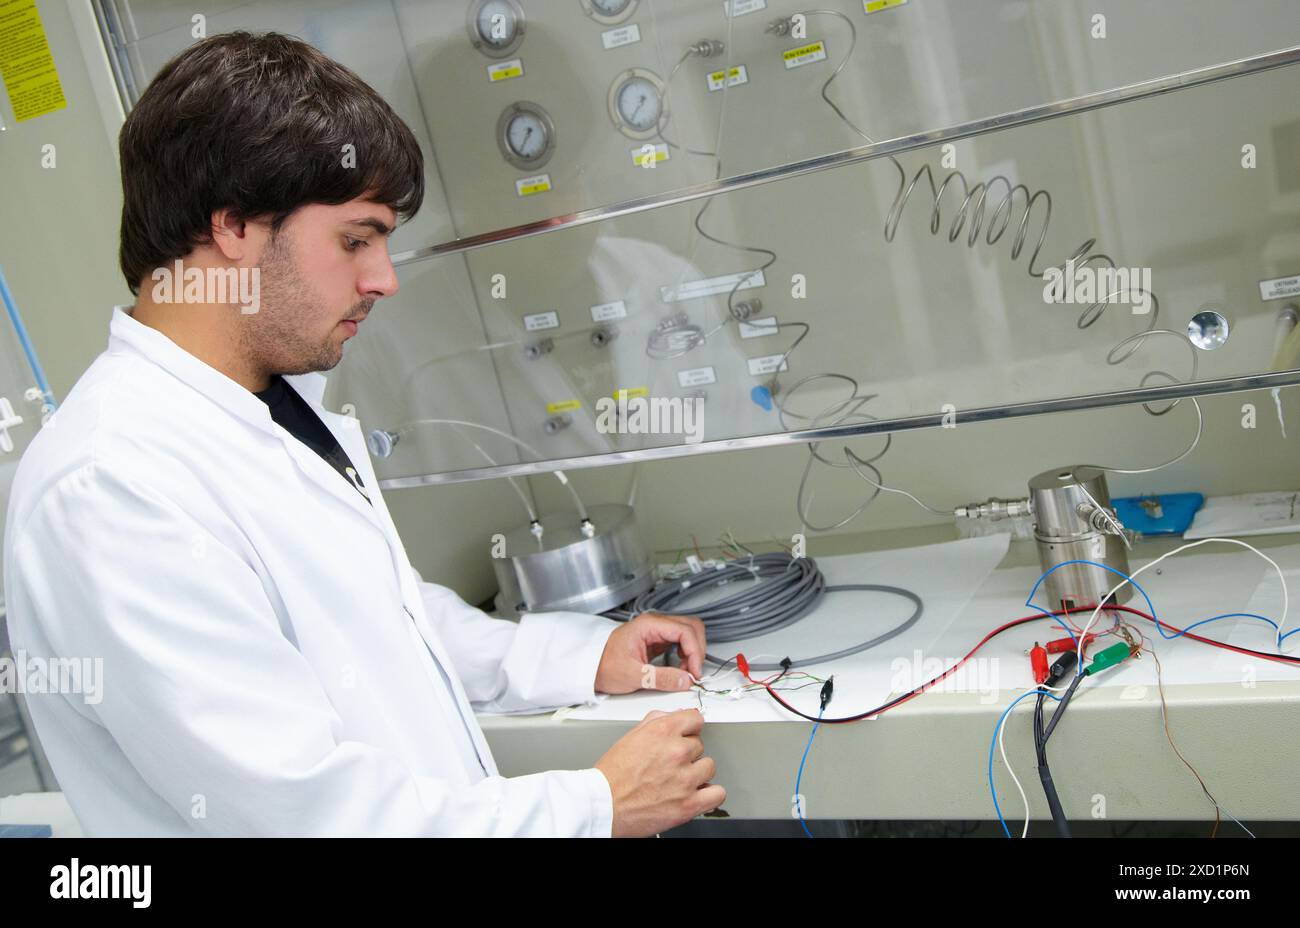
<point>1063,665</point>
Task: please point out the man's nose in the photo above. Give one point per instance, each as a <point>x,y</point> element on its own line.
<point>381,280</point>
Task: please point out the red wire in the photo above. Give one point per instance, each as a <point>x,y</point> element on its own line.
<point>893,704</point>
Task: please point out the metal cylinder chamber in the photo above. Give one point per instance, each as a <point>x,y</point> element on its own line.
<point>565,570</point>
<point>1074,521</point>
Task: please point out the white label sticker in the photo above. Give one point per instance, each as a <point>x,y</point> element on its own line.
<point>741,7</point>
<point>538,321</point>
<point>505,70</point>
<point>527,186</point>
<point>1279,289</point>
<point>696,376</point>
<point>767,365</point>
<point>641,155</point>
<point>624,35</point>
<point>737,75</point>
<point>607,311</point>
<point>804,54</point>
<point>757,328</point>
<point>714,285</point>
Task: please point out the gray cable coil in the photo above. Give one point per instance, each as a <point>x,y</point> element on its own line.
<point>793,587</point>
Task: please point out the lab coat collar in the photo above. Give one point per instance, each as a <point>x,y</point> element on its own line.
<point>126,332</point>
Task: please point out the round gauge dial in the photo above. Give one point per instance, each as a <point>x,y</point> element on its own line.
<point>609,12</point>
<point>636,103</point>
<point>496,27</point>
<point>526,135</point>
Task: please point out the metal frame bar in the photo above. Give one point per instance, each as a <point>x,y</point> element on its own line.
<point>1082,104</point>
<point>910,423</point>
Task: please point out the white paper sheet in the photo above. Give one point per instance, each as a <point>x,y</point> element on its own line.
<point>944,575</point>
<point>965,598</point>
<point>1251,514</point>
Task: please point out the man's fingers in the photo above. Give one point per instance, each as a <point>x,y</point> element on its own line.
<point>685,632</point>
<point>696,745</point>
<point>703,769</point>
<point>707,798</point>
<point>688,721</point>
<point>670,680</point>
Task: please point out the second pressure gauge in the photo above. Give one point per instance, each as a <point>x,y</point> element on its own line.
<point>526,135</point>
<point>496,27</point>
<point>636,103</point>
<point>609,12</point>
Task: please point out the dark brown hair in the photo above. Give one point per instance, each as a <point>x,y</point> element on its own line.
<point>256,124</point>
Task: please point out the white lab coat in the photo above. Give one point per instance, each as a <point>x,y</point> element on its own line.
<point>272,663</point>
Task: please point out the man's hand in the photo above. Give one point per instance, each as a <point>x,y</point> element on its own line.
<point>625,665</point>
<point>658,774</point>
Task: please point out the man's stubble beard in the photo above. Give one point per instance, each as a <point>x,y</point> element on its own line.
<point>277,337</point>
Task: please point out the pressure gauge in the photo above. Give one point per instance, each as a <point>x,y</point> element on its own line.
<point>609,12</point>
<point>636,103</point>
<point>526,135</point>
<point>496,27</point>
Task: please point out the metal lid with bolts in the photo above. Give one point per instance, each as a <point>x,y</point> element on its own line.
<point>565,569</point>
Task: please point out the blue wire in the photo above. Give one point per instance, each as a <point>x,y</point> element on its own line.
<point>798,799</point>
<point>994,743</point>
<point>12,308</point>
<point>1150,606</point>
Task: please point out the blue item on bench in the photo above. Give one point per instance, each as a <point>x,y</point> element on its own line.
<point>26,831</point>
<point>1167,514</point>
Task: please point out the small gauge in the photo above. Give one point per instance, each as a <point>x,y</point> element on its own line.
<point>609,12</point>
<point>636,103</point>
<point>526,135</point>
<point>496,27</point>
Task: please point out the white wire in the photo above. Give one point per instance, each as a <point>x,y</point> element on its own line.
<point>559,474</point>
<point>1286,602</point>
<point>1015,779</point>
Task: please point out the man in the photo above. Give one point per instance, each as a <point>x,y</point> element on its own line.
<point>194,519</point>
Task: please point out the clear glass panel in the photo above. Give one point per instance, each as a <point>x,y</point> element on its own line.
<point>579,90</point>
<point>921,324</point>
<point>866,306</point>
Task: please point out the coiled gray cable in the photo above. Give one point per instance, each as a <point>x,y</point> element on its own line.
<point>787,589</point>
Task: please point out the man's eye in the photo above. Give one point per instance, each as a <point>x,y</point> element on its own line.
<point>354,243</point>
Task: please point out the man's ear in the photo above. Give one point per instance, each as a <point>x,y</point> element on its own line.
<point>236,238</point>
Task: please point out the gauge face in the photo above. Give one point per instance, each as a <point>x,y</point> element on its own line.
<point>526,135</point>
<point>496,27</point>
<point>609,11</point>
<point>636,103</point>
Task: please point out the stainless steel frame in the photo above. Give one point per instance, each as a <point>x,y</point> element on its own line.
<point>1033,114</point>
<point>981,414</point>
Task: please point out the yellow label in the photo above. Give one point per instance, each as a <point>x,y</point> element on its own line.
<point>565,406</point>
<point>530,187</point>
<point>640,157</point>
<point>805,50</point>
<point>505,72</point>
<point>875,6</point>
<point>630,393</point>
<point>26,62</point>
